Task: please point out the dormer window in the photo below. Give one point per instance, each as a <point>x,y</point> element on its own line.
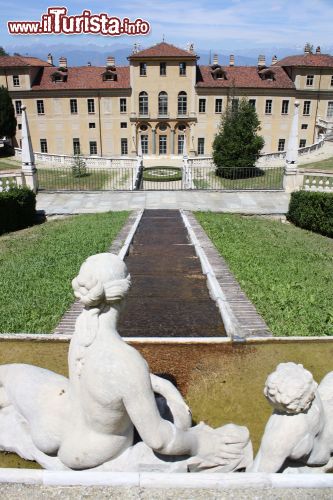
<point>218,73</point>
<point>109,76</point>
<point>58,76</point>
<point>267,74</point>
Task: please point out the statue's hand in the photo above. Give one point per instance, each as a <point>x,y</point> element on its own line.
<point>222,446</point>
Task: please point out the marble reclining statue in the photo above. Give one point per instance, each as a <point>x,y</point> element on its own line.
<point>88,421</point>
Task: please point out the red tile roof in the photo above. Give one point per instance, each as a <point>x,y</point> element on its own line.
<point>14,61</point>
<point>243,77</point>
<point>313,60</point>
<point>83,77</point>
<point>163,50</point>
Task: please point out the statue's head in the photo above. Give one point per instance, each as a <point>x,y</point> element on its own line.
<point>103,279</point>
<point>291,388</point>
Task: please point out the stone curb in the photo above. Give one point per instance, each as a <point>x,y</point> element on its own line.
<point>165,481</point>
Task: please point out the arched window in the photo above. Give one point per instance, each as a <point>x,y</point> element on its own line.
<point>162,104</point>
<point>182,103</point>
<point>143,104</point>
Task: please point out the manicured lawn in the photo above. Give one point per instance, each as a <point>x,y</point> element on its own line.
<point>38,264</point>
<point>287,272</point>
<point>322,165</point>
<point>271,179</point>
<point>95,179</point>
<point>9,164</point>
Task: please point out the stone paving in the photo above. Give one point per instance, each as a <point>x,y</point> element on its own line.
<point>254,202</point>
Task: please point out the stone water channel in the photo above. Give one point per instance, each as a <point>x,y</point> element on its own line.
<point>169,295</point>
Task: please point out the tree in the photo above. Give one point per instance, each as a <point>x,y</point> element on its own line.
<point>3,52</point>
<point>79,168</point>
<point>7,114</point>
<point>237,145</point>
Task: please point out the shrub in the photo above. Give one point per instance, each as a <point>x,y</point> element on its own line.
<point>313,211</point>
<point>17,209</point>
<point>79,168</point>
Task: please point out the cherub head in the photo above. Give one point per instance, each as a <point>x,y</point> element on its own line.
<point>291,388</point>
<point>103,279</point>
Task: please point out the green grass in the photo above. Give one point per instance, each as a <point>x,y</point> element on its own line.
<point>38,264</point>
<point>322,165</point>
<point>9,164</point>
<point>58,178</point>
<point>162,174</point>
<point>272,179</point>
<point>286,271</point>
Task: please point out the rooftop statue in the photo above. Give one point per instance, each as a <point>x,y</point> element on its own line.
<point>87,421</point>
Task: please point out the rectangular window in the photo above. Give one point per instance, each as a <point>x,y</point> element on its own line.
<point>16,81</point>
<point>182,68</point>
<point>218,105</point>
<point>234,104</point>
<point>302,143</point>
<point>123,105</point>
<point>163,144</point>
<point>93,147</point>
<point>285,107</point>
<point>332,81</point>
<point>91,105</point>
<point>306,108</point>
<point>268,107</point>
<point>143,69</point>
<point>202,105</point>
<point>309,80</point>
<point>144,144</point>
<point>162,69</point>
<point>43,145</point>
<point>330,109</point>
<point>123,124</point>
<point>40,107</point>
<point>19,126</point>
<point>201,145</point>
<point>76,146</point>
<point>281,145</point>
<point>92,125</point>
<point>18,109</point>
<point>124,146</point>
<point>181,144</point>
<point>253,103</point>
<point>73,106</point>
<point>304,126</point>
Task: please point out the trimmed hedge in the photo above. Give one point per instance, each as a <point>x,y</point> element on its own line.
<point>17,209</point>
<point>313,211</point>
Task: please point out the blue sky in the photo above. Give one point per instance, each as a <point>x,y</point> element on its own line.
<point>213,24</point>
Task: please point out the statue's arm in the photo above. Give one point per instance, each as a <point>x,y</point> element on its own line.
<point>165,437</point>
<point>179,409</point>
<point>281,435</point>
<point>157,433</point>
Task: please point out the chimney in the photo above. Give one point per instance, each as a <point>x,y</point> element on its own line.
<point>232,60</point>
<point>89,63</point>
<point>215,59</point>
<point>318,51</point>
<point>274,60</point>
<point>307,49</point>
<point>261,61</point>
<point>63,62</point>
<point>50,59</point>
<point>110,61</point>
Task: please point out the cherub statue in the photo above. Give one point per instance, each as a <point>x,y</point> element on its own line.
<point>88,420</point>
<point>299,434</point>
